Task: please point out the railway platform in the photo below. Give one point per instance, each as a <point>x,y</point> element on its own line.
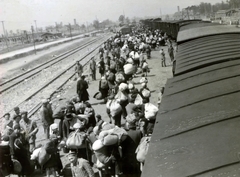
<point>30,50</point>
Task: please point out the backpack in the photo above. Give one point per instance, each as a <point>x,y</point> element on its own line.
<point>76,140</point>
<point>104,84</point>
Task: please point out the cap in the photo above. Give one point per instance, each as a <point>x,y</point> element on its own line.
<point>6,114</point>
<point>72,152</point>
<point>98,116</point>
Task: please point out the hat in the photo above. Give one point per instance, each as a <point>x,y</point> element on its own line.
<point>16,108</point>
<point>98,116</point>
<point>72,152</point>
<point>6,114</point>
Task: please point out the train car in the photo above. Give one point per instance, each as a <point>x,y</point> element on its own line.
<point>197,128</point>
<point>126,29</point>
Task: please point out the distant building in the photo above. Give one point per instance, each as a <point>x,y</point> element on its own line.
<point>220,14</point>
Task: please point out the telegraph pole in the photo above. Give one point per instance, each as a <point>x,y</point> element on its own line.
<point>70,30</point>
<point>33,40</point>
<point>36,25</point>
<point>5,35</point>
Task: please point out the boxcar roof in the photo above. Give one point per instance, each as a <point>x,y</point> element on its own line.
<point>197,127</point>
<point>205,51</point>
<point>193,33</point>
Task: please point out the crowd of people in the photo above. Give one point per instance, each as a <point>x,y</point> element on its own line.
<point>116,147</point>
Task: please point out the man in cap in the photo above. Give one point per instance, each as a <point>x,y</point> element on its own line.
<point>46,116</point>
<point>80,167</point>
<point>30,130</point>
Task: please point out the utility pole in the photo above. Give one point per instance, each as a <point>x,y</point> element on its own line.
<point>5,35</point>
<point>70,30</point>
<point>33,40</point>
<point>36,25</point>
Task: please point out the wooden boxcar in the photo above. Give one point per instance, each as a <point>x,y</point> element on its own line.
<point>197,127</point>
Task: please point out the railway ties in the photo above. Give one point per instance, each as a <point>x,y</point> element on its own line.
<point>53,84</point>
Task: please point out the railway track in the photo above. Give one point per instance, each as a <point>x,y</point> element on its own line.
<point>4,86</point>
<point>57,82</point>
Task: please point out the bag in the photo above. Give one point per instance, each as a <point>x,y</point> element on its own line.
<point>138,101</point>
<point>97,145</point>
<point>76,140</point>
<point>99,164</point>
<point>131,118</point>
<point>110,140</point>
<point>119,77</point>
<point>150,111</point>
<point>115,107</point>
<point>17,167</point>
<point>143,80</point>
<point>129,69</point>
<point>123,87</point>
<point>142,149</point>
<point>104,84</point>
<point>98,95</point>
<point>130,61</point>
<point>145,65</point>
<point>146,93</point>
<point>121,96</point>
<point>43,156</point>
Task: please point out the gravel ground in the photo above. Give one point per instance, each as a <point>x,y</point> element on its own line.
<point>157,79</point>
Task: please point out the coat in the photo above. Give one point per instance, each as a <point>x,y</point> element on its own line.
<point>82,92</point>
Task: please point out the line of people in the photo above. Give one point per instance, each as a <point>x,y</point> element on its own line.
<point>88,140</point>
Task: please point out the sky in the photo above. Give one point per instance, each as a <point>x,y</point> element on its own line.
<point>20,14</point>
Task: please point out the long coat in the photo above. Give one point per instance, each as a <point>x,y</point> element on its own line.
<point>82,92</point>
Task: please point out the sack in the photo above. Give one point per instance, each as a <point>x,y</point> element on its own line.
<point>150,111</point>
<point>43,156</point>
<point>110,140</point>
<point>142,149</point>
<point>138,100</point>
<point>98,95</point>
<point>146,93</point>
<point>121,96</point>
<point>76,140</point>
<point>114,107</point>
<point>99,164</point>
<point>97,145</point>
<point>129,69</point>
<point>145,65</point>
<point>35,154</point>
<point>123,87</point>
<point>119,77</point>
<point>104,84</point>
<point>131,118</point>
<point>130,61</point>
<point>143,80</point>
